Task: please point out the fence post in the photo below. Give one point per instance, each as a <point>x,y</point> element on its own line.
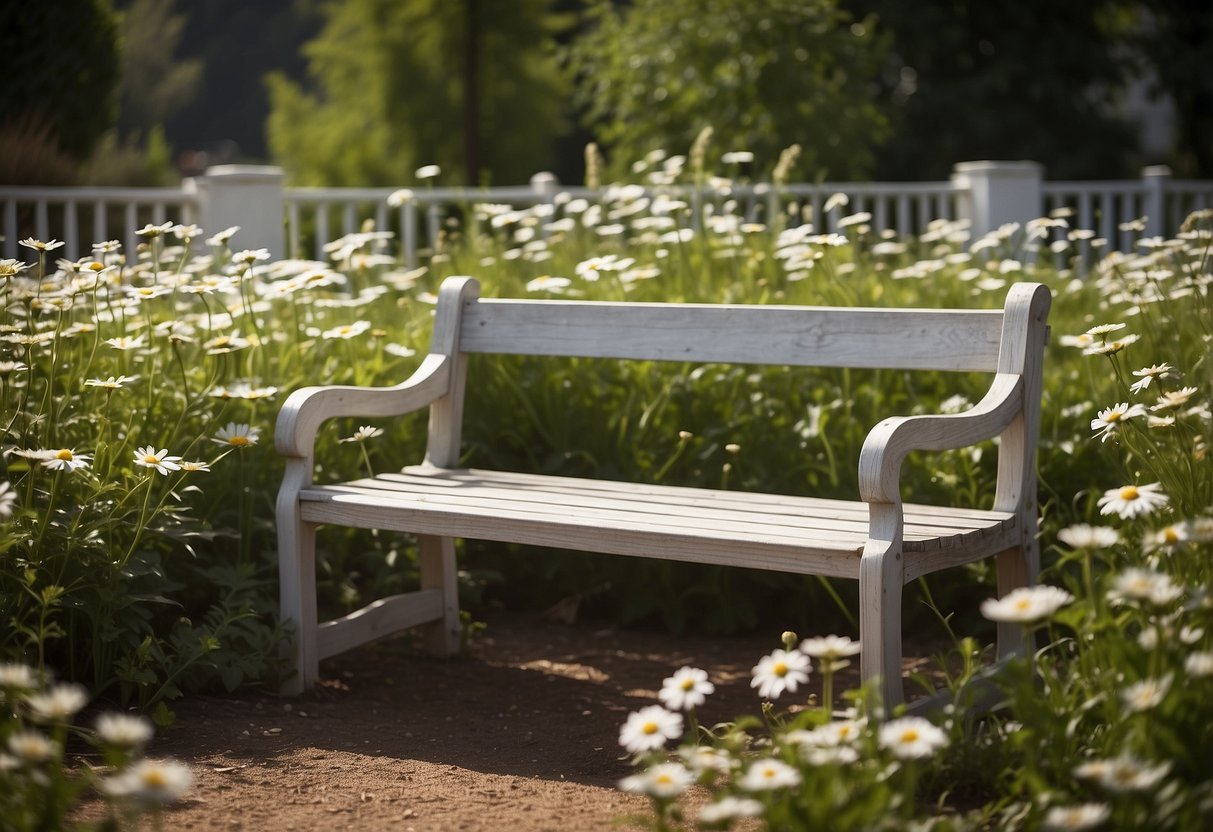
<point>1155,179</point>
<point>250,196</point>
<point>990,194</point>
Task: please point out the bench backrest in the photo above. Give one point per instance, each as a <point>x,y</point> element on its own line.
<point>805,336</point>
<point>1009,340</point>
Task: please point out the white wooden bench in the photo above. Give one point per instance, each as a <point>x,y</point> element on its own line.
<point>879,540</point>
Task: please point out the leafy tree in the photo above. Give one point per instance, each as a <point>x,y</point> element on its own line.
<point>471,85</point>
<point>61,67</point>
<point>764,74</point>
<point>971,79</point>
<point>1174,39</point>
<point>155,83</point>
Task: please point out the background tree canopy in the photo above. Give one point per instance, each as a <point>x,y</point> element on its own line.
<point>471,85</point>
<point>57,88</point>
<point>363,92</point>
<point>763,75</point>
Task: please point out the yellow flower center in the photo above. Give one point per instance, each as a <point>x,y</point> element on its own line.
<point>1023,604</point>
<point>1170,535</point>
<point>154,778</point>
<point>151,459</point>
<point>664,779</point>
<point>65,454</point>
<point>649,728</point>
<point>780,669</point>
<point>1129,492</point>
<point>239,441</point>
<point>768,773</point>
<point>1114,416</point>
<point>909,735</point>
<point>687,684</point>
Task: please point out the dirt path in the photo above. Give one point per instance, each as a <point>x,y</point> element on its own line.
<point>521,735</point>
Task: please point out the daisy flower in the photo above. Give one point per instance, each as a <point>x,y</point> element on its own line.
<point>688,688</point>
<point>781,670</point>
<point>767,775</point>
<point>38,245</point>
<point>664,780</point>
<point>1146,694</point>
<point>1026,604</point>
<point>1123,774</point>
<point>1137,584</point>
<point>150,781</point>
<point>1174,399</point>
<point>111,383</point>
<point>729,808</point>
<point>346,331</point>
<point>193,466</point>
<point>1146,376</point>
<point>363,433</point>
<point>124,730</point>
<point>57,704</point>
<point>830,647</point>
<point>1132,500</point>
<point>1082,816</point>
<point>1082,536</point>
<point>14,676</point>
<point>64,459</point>
<point>237,435</point>
<point>149,457</point>
<point>1199,663</point>
<point>1111,347</point>
<point>31,746</point>
<point>649,729</point>
<point>1109,419</point>
<point>911,737</point>
<point>125,342</point>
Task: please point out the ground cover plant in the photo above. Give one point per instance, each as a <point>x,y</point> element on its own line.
<point>138,392</point>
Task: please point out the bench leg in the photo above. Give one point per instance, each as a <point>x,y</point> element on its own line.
<point>881,577</point>
<point>1016,567</point>
<point>297,597</point>
<point>438,571</point>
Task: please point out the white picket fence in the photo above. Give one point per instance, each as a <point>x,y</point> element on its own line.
<point>299,221</point>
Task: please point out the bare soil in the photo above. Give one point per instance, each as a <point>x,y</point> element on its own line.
<point>520,734</point>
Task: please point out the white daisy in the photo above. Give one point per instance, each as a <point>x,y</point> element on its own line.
<point>1132,500</point>
<point>767,775</point>
<point>1146,694</point>
<point>1138,584</point>
<point>649,729</point>
<point>1026,604</point>
<point>65,459</point>
<point>1082,536</point>
<point>31,746</point>
<point>728,808</point>
<point>58,704</point>
<point>830,647</point>
<point>687,689</point>
<point>124,730</point>
<point>363,434</point>
<point>911,737</point>
<point>149,457</point>
<point>1146,375</point>
<point>237,435</point>
<point>1110,418</point>
<point>1082,816</point>
<point>664,780</point>
<point>150,781</point>
<point>781,670</point>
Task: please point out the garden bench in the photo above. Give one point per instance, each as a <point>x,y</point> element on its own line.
<point>878,540</point>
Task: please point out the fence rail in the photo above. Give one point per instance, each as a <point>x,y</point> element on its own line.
<point>299,221</point>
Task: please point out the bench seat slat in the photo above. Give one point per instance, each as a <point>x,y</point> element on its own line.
<point>774,513</point>
<point>793,534</point>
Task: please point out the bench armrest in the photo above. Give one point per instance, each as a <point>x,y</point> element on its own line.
<point>307,408</point>
<point>890,441</point>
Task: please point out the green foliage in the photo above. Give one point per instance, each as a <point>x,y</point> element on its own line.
<point>396,85</point>
<point>155,81</point>
<point>969,79</point>
<point>61,68</point>
<point>764,75</point>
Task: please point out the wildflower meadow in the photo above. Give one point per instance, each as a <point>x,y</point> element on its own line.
<point>139,390</point>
